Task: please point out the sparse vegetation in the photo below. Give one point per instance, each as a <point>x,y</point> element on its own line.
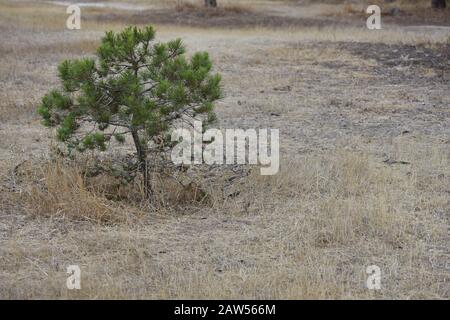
<point>364,175</point>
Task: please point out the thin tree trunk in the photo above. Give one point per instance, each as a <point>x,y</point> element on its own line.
<point>142,155</point>
<point>211,3</point>
<point>142,164</point>
<point>438,4</point>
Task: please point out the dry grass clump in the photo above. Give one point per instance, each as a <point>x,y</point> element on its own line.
<point>57,188</point>
<point>70,189</point>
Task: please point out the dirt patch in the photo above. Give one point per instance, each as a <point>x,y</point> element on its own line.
<point>393,55</point>
<point>402,62</point>
<point>220,17</point>
<point>426,16</point>
<point>407,17</point>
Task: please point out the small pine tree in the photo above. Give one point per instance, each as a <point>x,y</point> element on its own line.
<point>136,87</point>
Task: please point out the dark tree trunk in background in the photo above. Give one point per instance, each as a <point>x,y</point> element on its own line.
<point>438,3</point>
<point>211,3</point>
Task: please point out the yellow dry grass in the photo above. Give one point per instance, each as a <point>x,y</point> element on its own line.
<point>63,191</point>
<point>337,205</point>
<point>327,218</point>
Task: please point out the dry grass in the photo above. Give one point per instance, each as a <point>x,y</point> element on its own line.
<point>64,190</point>
<point>364,176</point>
<point>76,190</point>
<point>312,239</point>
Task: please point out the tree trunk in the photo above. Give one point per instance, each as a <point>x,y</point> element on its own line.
<point>438,4</point>
<point>142,164</point>
<point>211,3</point>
